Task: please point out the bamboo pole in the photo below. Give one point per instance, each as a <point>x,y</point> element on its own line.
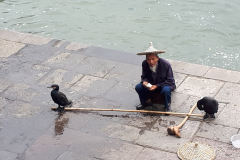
<point>123,110</point>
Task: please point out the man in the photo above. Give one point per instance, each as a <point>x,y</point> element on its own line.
<point>157,76</point>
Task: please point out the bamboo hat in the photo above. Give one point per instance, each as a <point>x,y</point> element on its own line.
<point>151,50</point>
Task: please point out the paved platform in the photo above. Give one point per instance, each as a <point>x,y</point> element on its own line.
<point>95,77</point>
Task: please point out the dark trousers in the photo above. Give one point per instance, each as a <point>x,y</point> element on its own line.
<point>144,93</point>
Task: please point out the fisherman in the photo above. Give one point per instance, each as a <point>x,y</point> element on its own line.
<point>157,76</point>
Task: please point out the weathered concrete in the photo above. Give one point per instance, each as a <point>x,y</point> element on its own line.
<point>95,77</point>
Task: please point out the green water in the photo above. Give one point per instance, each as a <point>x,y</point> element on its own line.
<point>203,32</point>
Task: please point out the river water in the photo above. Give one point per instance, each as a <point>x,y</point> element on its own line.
<point>203,32</point>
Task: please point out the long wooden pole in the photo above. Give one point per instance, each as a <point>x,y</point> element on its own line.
<point>123,110</point>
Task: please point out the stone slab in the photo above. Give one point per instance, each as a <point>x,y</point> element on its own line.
<point>36,40</point>
<point>179,78</point>
<point>4,84</point>
<point>95,66</point>
<point>161,141</point>
<point>223,75</point>
<point>64,60</point>
<point>8,65</point>
<point>12,36</point>
<point>55,77</point>
<point>229,93</point>
<point>149,153</point>
<point>142,121</point>
<point>121,92</point>
<point>189,68</point>
<point>200,87</point>
<point>69,79</point>
<point>36,54</point>
<point>76,46</point>
<point>17,138</point>
<point>6,155</point>
<point>69,156</point>
<point>95,102</point>
<point>3,102</point>
<point>89,146</point>
<point>223,150</point>
<point>125,151</point>
<point>216,132</point>
<point>123,132</point>
<point>7,48</point>
<point>177,100</point>
<point>187,131</point>
<point>47,147</point>
<point>126,73</point>
<point>20,91</point>
<point>112,55</point>
<point>92,86</point>
<point>18,109</point>
<point>28,73</point>
<point>229,116</point>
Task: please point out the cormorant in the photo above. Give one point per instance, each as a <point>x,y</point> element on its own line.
<point>59,97</point>
<point>209,105</point>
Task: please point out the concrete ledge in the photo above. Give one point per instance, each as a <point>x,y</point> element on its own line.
<point>12,36</point>
<point>36,40</point>
<point>7,48</point>
<point>189,68</point>
<point>223,74</point>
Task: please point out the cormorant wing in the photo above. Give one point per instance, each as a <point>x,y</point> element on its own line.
<point>62,98</point>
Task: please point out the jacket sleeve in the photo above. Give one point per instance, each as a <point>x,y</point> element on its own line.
<point>144,73</point>
<point>169,80</point>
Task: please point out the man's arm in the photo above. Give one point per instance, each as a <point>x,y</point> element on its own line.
<point>144,73</point>
<point>169,80</point>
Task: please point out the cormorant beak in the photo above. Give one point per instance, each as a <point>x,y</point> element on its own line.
<point>49,87</point>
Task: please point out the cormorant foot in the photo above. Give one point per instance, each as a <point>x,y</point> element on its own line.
<point>205,116</point>
<point>60,109</point>
<point>211,116</point>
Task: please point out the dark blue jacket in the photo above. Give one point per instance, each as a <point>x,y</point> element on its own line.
<point>164,74</point>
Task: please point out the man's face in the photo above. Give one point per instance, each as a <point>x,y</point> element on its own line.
<point>152,59</point>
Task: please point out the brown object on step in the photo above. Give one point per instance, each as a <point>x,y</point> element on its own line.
<point>156,97</point>
<point>174,130</point>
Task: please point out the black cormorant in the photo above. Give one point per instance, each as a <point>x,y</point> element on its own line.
<point>59,98</point>
<point>209,105</point>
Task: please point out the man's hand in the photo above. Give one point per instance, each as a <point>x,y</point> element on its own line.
<point>145,84</point>
<point>153,88</point>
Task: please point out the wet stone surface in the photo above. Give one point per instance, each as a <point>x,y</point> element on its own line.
<point>94,77</point>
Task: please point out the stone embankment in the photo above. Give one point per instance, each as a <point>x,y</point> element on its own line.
<point>94,77</point>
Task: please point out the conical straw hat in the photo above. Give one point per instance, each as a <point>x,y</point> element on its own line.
<point>196,151</point>
<point>151,50</point>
